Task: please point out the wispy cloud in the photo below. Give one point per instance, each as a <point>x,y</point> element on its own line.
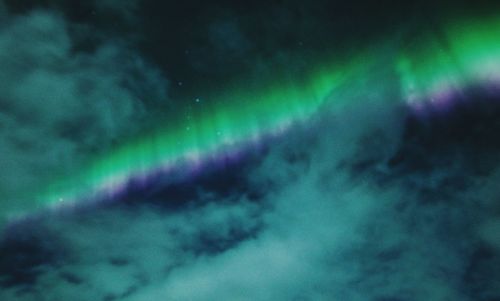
<point>322,230</point>
<point>61,106</point>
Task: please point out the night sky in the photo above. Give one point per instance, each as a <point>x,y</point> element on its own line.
<point>249,150</point>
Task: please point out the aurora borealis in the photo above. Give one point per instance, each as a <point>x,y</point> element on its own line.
<point>226,150</point>
<point>427,74</point>
<point>467,54</point>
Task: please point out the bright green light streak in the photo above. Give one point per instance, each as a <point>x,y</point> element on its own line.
<point>241,115</point>
<point>468,53</point>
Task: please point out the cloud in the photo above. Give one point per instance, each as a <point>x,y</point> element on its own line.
<point>135,249</point>
<point>322,228</point>
<point>328,236</point>
<point>61,107</point>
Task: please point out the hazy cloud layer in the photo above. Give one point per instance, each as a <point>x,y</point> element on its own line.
<point>323,229</point>
<point>59,106</point>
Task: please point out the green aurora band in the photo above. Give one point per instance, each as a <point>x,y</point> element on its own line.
<point>466,52</point>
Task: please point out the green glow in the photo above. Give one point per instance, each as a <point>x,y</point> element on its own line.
<point>240,114</point>
<point>467,52</point>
